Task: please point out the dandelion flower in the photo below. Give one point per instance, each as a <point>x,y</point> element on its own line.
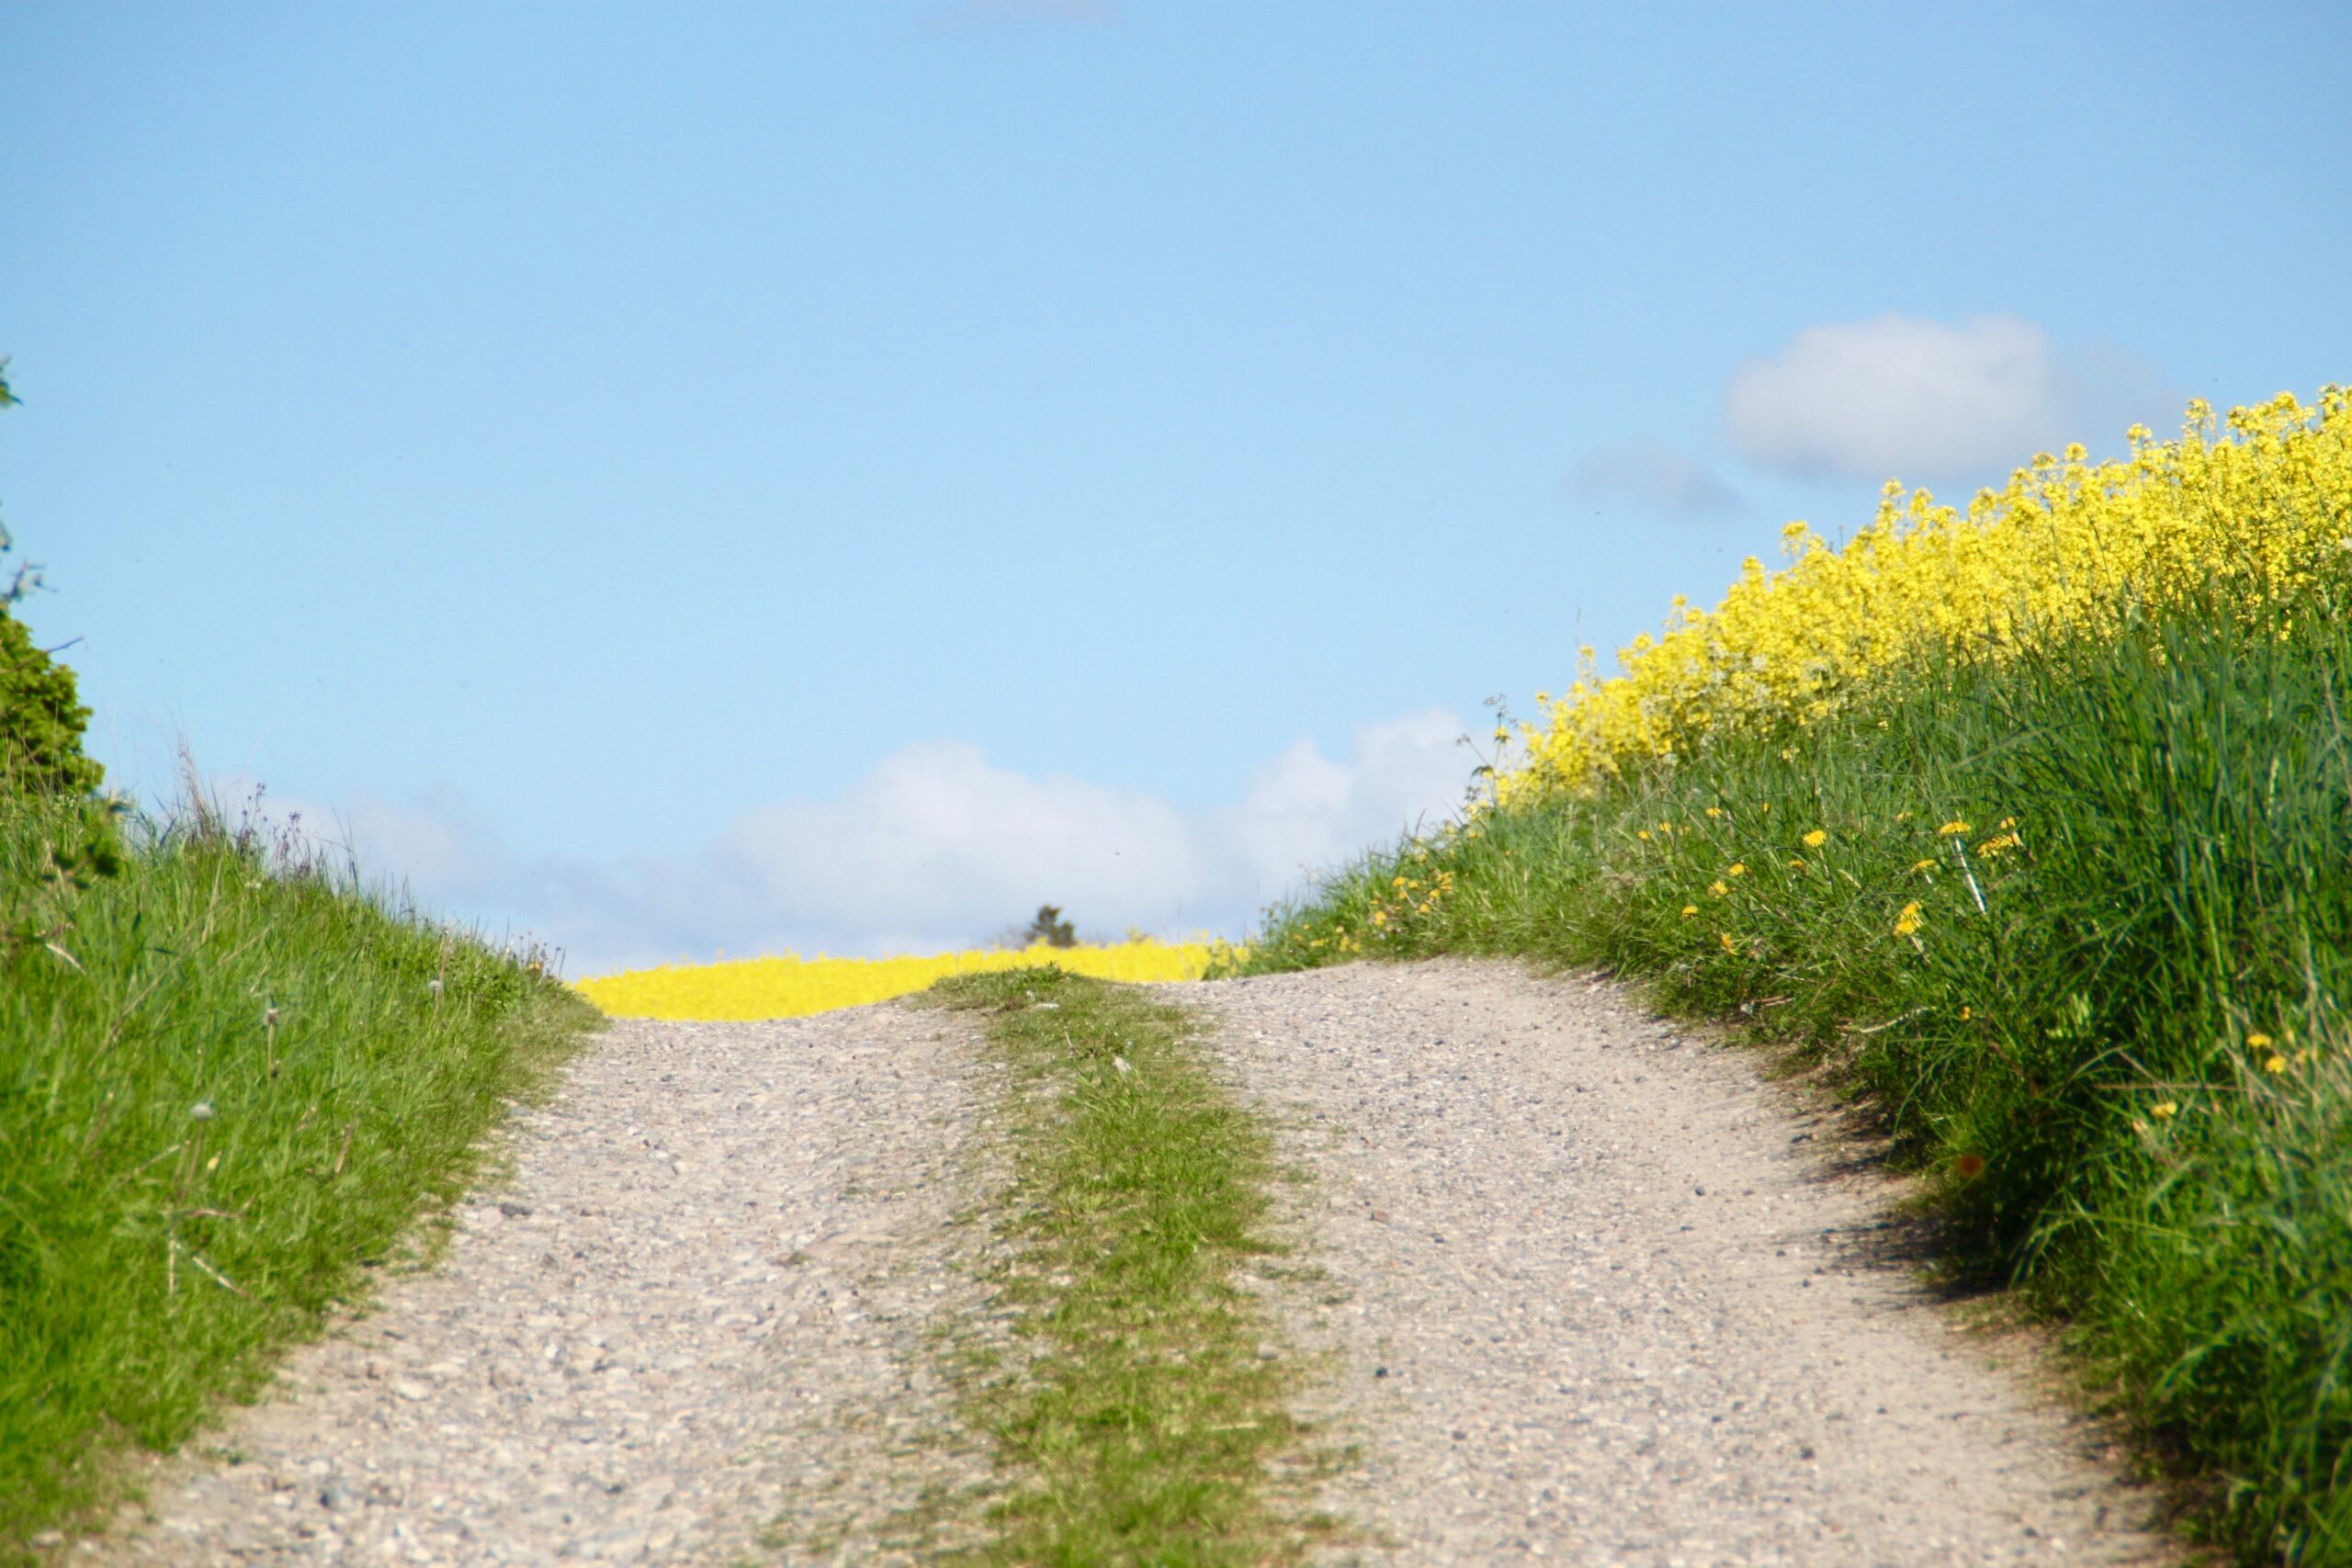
<point>2276,1065</point>
<point>2165,1109</point>
<point>1815,839</point>
<point>1738,868</point>
<point>1951,828</point>
<point>1717,888</point>
<point>2256,1042</point>
<point>1729,946</point>
<point>1923,865</point>
<point>1907,921</point>
<point>1689,910</point>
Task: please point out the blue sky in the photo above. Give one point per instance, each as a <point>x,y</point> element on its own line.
<point>698,477</point>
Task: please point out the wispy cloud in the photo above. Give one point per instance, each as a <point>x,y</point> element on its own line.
<point>1655,478</point>
<point>934,847</point>
<point>1901,397</point>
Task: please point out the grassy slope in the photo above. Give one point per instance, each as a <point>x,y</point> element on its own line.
<point>227,1092</point>
<point>2126,1075</point>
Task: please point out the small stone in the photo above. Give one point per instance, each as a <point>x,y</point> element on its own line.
<point>410,1390</point>
<point>47,1540</point>
<point>513,1211</point>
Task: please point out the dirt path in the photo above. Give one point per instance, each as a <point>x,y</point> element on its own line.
<point>1604,1300</point>
<point>702,1304</point>
<point>1593,1296</point>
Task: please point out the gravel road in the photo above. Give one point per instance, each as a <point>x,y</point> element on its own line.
<point>1592,1293</point>
<point>1608,1298</point>
<point>702,1302</point>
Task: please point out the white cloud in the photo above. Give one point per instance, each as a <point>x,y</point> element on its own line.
<point>933,848</point>
<point>1656,478</point>
<point>1901,397</point>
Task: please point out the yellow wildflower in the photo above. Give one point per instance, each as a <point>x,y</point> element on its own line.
<point>1907,921</point>
<point>2163,1110</point>
<point>1689,910</point>
<point>2256,1042</point>
<point>1717,888</point>
<point>1951,827</point>
<point>1738,868</point>
<point>1815,839</point>
<point>1729,946</point>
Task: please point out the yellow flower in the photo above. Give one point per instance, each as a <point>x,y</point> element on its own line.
<point>1714,811</point>
<point>1967,1014</point>
<point>1949,829</point>
<point>1643,834</point>
<point>1717,888</point>
<point>2065,551</point>
<point>1738,868</point>
<point>1689,910</point>
<point>1795,864</point>
<point>2257,1042</point>
<point>1729,946</point>
<point>1815,839</point>
<point>1907,921</point>
<point>1923,865</point>
<point>2276,1065</point>
<point>1992,846</point>
<point>2164,1109</point>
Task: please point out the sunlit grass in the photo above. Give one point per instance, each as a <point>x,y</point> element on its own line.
<point>230,1084</point>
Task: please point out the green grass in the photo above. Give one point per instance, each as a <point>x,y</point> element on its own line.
<point>231,1085</point>
<point>1137,1420</point>
<point>2067,1046</point>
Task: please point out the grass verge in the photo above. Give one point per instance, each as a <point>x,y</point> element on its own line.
<point>2078,927</point>
<point>232,1083</point>
<point>1141,1419</point>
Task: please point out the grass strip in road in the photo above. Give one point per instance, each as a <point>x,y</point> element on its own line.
<point>1148,1406</point>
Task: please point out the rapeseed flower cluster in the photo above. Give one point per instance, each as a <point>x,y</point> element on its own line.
<point>793,987</point>
<point>2068,550</point>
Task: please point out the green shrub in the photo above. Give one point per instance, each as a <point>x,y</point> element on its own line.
<point>40,721</point>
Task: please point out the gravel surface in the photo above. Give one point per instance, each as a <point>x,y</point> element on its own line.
<point>702,1302</point>
<point>1589,1293</point>
<point>1596,1294</point>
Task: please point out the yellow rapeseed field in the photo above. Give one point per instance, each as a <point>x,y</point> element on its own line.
<point>2064,550</point>
<point>791,987</point>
